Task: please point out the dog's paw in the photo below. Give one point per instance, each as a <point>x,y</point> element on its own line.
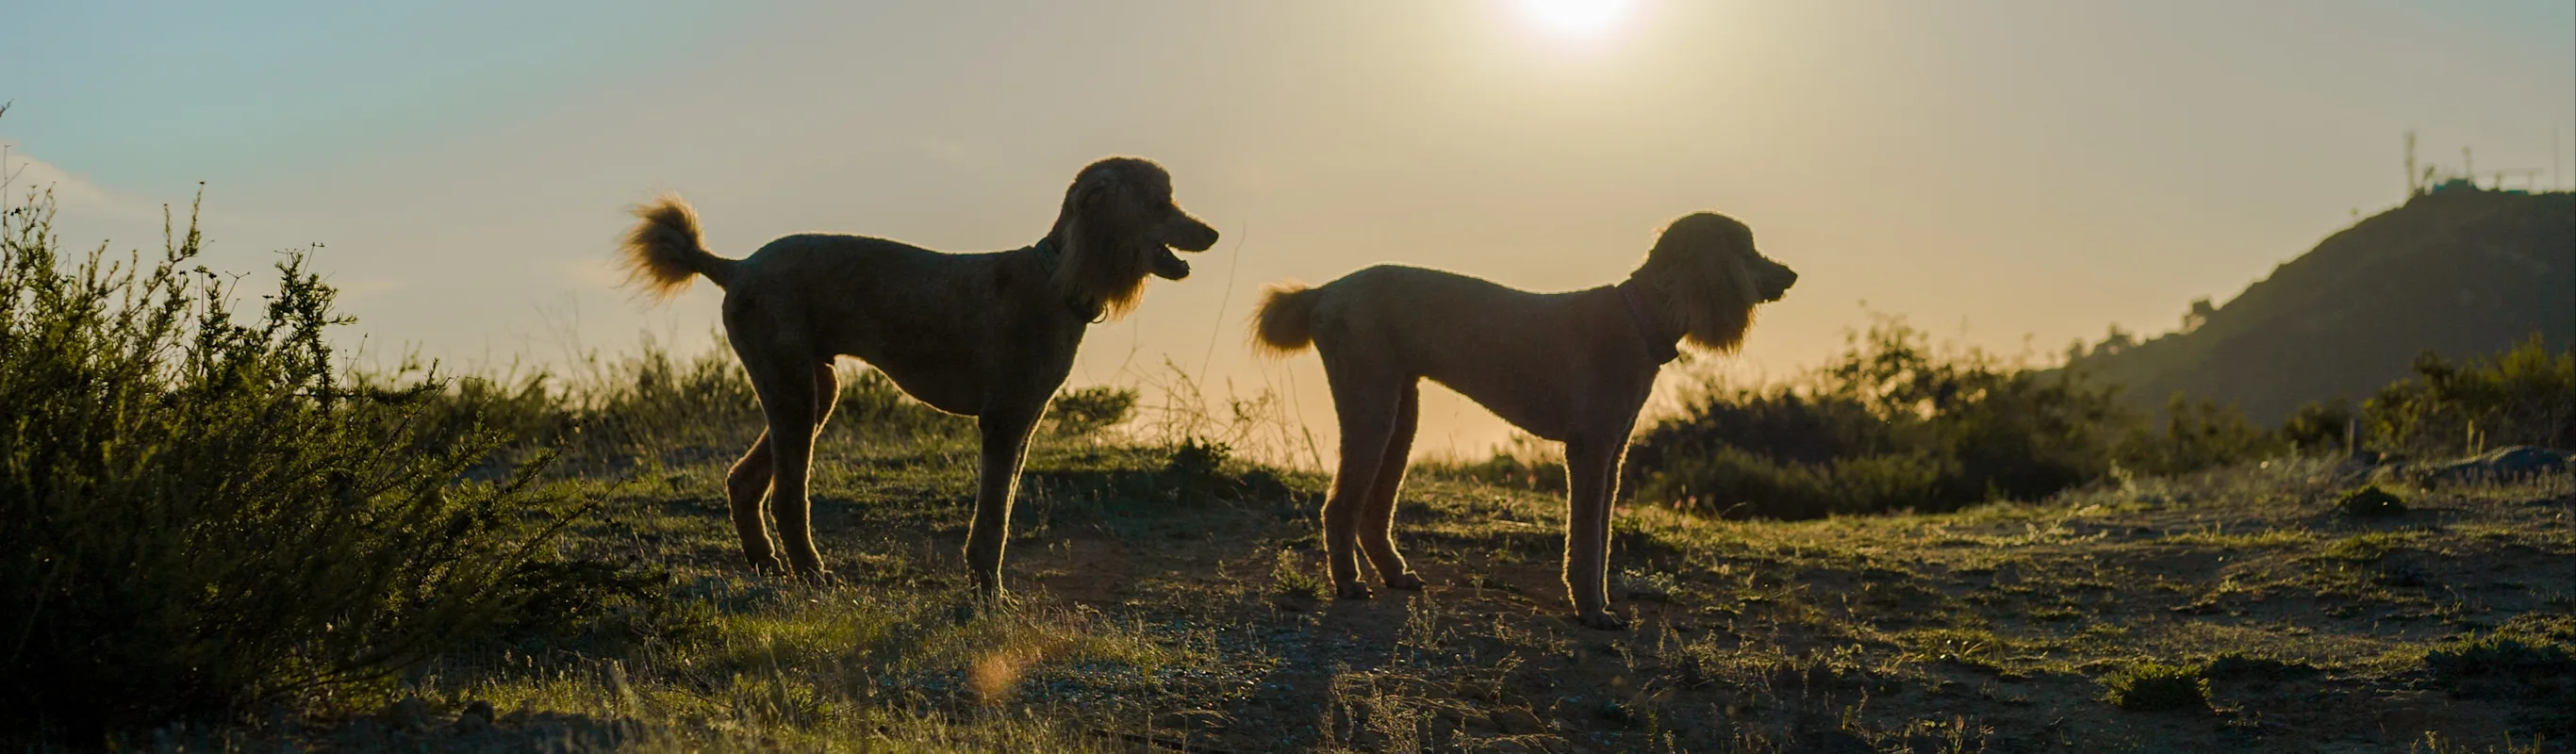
<point>1407,581</point>
<point>1354,591</point>
<point>982,603</point>
<point>1603,620</point>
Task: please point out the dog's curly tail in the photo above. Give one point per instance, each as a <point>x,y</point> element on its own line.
<point>1283,324</point>
<point>663,252</point>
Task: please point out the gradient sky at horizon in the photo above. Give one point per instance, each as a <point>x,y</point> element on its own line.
<point>1999,172</point>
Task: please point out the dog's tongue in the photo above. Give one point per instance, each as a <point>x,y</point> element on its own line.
<point>1169,266</point>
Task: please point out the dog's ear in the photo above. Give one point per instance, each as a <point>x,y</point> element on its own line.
<point>1092,191</point>
<point>1699,266</point>
<point>1097,232</point>
<point>1674,240</point>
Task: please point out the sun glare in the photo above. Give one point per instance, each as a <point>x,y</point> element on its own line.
<point>1577,18</point>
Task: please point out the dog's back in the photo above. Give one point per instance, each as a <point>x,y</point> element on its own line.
<point>1517,352</point>
<point>858,267</point>
<point>895,306</point>
<point>1436,305</point>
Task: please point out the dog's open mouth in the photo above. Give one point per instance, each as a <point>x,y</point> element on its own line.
<point>1168,265</point>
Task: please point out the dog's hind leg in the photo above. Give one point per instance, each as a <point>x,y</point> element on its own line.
<point>746,487</point>
<point>1005,431</point>
<point>1377,519</point>
<point>787,397</point>
<point>1592,476</point>
<point>1365,405</point>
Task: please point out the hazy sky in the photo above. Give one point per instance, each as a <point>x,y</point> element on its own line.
<point>1991,170</point>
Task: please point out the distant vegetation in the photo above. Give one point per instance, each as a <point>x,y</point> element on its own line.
<point>1894,425</point>
<point>1889,425</point>
<point>2460,273</point>
<point>652,408</point>
<point>2525,396</point>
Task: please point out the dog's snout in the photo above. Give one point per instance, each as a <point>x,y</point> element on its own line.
<point>1196,236</point>
<point>1777,281</point>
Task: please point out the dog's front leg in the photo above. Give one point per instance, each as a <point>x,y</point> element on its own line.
<point>1591,474</point>
<point>1006,441</point>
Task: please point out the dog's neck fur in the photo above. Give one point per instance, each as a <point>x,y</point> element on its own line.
<point>1049,256</point>
<point>1663,339</point>
<point>1714,325</point>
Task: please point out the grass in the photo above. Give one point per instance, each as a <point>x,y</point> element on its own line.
<point>2157,687</point>
<point>1169,599</point>
<point>1295,578</point>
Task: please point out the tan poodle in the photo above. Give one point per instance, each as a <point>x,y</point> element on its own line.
<point>987,335</point>
<point>1572,367</point>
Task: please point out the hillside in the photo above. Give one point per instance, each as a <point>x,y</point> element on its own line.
<point>2459,272</point>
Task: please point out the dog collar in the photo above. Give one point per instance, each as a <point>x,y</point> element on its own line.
<point>1046,251</point>
<point>1662,346</point>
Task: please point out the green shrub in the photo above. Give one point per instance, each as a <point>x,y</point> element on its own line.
<point>2370,502</point>
<point>2499,655</point>
<point>653,406</point>
<point>1086,410</point>
<point>2320,427</point>
<point>1889,425</point>
<point>198,516</point>
<point>1197,462</point>
<point>1892,424</point>
<point>2522,396</point>
<point>2157,687</point>
<point>872,404</point>
<point>2196,435</point>
<point>1290,579</point>
<point>1522,461</point>
<point>1735,483</point>
<point>2529,658</point>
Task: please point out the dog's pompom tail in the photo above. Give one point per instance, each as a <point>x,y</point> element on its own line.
<point>663,251</point>
<point>1284,322</point>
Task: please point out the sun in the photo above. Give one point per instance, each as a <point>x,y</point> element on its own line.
<point>1577,18</point>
